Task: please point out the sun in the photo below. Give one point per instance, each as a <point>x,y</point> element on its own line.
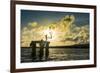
<point>50,33</point>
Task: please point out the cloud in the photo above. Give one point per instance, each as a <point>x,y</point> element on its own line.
<point>64,32</point>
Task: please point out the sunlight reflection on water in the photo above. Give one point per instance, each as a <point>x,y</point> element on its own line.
<point>59,54</point>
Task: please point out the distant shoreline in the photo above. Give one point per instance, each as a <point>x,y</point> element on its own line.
<point>72,46</point>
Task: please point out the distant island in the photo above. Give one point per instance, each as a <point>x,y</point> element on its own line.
<point>71,46</point>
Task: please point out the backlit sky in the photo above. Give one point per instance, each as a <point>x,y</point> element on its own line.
<point>35,24</point>
<point>47,17</point>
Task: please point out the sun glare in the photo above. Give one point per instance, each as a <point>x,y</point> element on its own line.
<point>51,34</point>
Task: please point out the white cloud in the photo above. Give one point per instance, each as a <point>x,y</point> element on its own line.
<point>64,32</point>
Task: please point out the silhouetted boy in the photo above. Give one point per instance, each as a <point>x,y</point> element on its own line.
<point>47,50</point>
<point>41,51</point>
<point>33,46</point>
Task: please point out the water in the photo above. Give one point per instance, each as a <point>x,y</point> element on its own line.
<point>58,54</point>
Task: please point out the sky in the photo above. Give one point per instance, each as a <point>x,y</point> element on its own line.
<point>47,17</point>
<point>61,28</point>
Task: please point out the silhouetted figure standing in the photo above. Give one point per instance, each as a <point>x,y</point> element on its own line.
<point>33,46</point>
<point>46,48</point>
<point>41,51</point>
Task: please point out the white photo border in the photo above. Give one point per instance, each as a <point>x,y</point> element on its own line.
<point>20,65</point>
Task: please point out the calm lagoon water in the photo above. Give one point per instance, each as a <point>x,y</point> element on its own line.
<point>58,54</point>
